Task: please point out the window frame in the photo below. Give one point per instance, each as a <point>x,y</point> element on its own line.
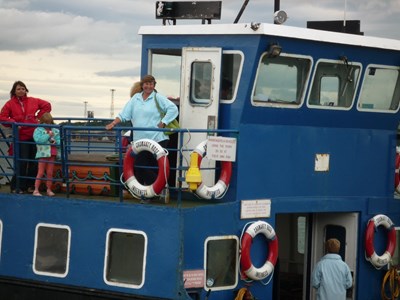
<point>357,85</point>
<point>121,284</point>
<point>303,92</point>
<point>49,225</point>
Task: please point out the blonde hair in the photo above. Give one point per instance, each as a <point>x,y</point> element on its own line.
<point>46,118</point>
<point>136,88</point>
<point>332,246</point>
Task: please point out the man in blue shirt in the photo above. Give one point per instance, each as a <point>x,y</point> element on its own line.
<point>331,277</point>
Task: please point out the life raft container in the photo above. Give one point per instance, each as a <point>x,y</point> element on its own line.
<point>247,266</point>
<point>378,261</point>
<point>218,190</point>
<point>134,186</point>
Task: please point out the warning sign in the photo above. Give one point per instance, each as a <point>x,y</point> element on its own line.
<point>221,148</point>
<point>193,279</point>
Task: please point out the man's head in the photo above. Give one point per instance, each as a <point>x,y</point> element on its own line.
<point>332,246</point>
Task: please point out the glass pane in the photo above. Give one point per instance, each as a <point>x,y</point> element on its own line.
<point>334,84</point>
<point>221,265</point>
<point>381,89</point>
<point>301,234</point>
<point>200,88</point>
<point>231,65</point>
<point>126,252</point>
<point>51,252</point>
<point>329,91</point>
<point>166,68</point>
<point>281,80</point>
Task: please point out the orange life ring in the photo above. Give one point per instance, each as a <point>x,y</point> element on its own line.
<point>132,184</point>
<point>247,266</point>
<point>378,261</point>
<point>218,190</point>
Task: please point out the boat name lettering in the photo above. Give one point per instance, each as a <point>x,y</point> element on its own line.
<point>148,145</point>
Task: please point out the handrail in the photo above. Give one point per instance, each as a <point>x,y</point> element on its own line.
<point>95,141</point>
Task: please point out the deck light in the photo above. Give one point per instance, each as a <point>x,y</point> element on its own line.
<point>274,50</point>
<point>280,17</point>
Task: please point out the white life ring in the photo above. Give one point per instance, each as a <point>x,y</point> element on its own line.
<point>378,261</point>
<point>218,190</point>
<point>247,266</point>
<point>134,186</point>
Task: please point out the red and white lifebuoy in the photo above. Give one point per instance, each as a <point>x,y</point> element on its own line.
<point>134,186</point>
<point>396,171</point>
<point>247,266</point>
<point>218,190</point>
<point>378,261</point>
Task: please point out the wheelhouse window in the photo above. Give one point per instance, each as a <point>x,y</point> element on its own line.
<point>125,259</point>
<point>221,262</point>
<point>232,63</point>
<point>381,89</point>
<point>281,81</point>
<point>51,252</point>
<point>334,84</point>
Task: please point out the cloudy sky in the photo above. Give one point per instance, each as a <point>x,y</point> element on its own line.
<point>76,51</point>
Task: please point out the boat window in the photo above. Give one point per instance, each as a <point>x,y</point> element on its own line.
<point>281,81</point>
<point>232,63</point>
<point>166,68</point>
<point>201,80</point>
<point>380,90</point>
<point>301,234</point>
<point>125,258</point>
<point>52,246</point>
<point>334,84</point>
<point>221,262</point>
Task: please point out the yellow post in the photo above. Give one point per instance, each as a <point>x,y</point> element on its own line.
<point>193,175</point>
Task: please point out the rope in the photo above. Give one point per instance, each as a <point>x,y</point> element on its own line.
<point>392,277</point>
<point>240,294</point>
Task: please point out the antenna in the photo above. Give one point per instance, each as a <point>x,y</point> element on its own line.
<point>112,104</point>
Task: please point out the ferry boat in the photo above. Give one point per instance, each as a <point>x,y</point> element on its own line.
<point>288,138</point>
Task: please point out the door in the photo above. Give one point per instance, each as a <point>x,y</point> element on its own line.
<point>342,226</point>
<point>199,103</point>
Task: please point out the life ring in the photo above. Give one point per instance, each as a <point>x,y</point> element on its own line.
<point>134,186</point>
<point>396,171</point>
<point>378,261</point>
<point>218,190</point>
<point>247,266</point>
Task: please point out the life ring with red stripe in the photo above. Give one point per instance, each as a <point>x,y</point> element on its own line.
<point>378,261</point>
<point>218,190</point>
<point>247,267</point>
<point>397,171</point>
<point>132,184</point>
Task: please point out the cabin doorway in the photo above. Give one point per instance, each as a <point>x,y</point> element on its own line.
<point>199,103</point>
<point>301,245</point>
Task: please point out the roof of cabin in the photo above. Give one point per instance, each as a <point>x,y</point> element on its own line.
<point>275,30</point>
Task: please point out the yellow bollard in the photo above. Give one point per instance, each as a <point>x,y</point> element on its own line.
<point>193,175</point>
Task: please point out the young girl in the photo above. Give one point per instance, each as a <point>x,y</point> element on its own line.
<point>48,140</point>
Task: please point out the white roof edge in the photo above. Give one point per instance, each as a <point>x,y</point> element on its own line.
<point>272,29</point>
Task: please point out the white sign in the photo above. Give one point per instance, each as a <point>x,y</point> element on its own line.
<point>255,209</point>
<point>221,148</point>
<point>193,279</point>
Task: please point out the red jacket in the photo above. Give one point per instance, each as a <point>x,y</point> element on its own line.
<point>26,110</point>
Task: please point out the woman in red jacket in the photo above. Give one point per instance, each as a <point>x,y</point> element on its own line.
<point>23,109</point>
